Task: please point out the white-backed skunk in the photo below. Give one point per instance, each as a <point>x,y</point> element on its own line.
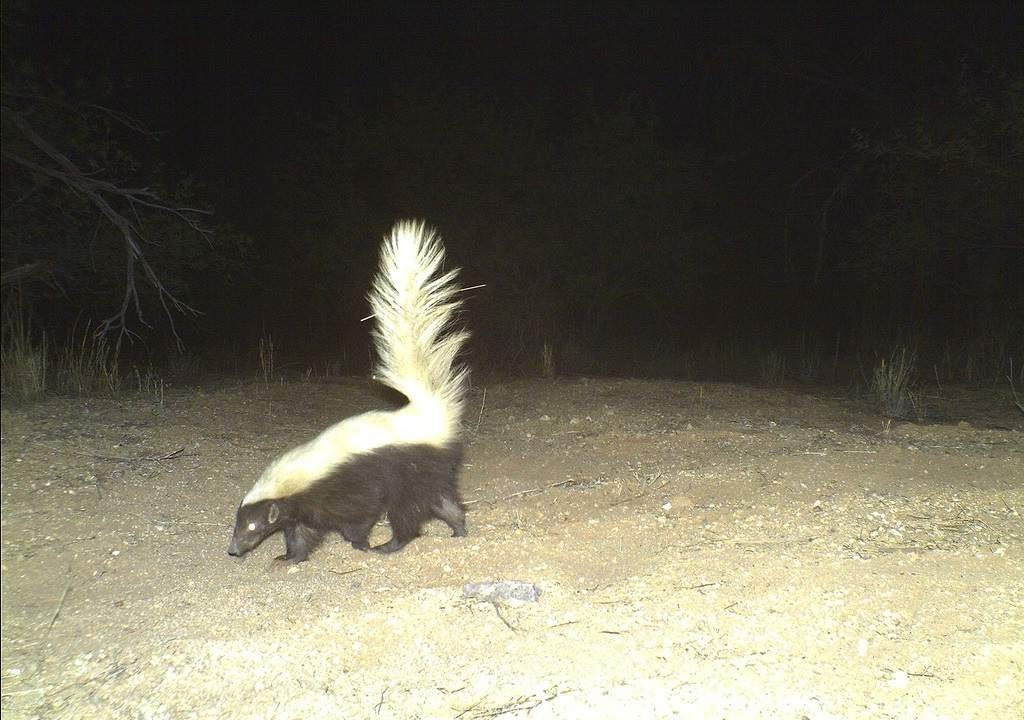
<point>401,462</point>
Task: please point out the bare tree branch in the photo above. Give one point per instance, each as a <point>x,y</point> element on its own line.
<point>118,116</point>
<point>101,194</point>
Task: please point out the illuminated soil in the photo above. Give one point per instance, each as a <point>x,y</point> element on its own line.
<point>702,551</point>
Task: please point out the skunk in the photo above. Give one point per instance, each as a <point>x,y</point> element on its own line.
<point>401,462</point>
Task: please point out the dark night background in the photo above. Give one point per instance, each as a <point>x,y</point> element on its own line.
<point>724,191</point>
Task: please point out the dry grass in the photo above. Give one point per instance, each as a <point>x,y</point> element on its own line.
<point>547,361</point>
<point>266,358</point>
<point>88,365</point>
<point>23,361</point>
<point>892,382</point>
<point>772,365</point>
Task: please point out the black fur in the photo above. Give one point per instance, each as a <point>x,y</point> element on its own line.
<point>411,483</point>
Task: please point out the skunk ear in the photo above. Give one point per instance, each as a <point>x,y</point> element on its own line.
<point>273,514</point>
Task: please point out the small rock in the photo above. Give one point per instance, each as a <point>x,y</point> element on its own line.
<point>503,591</point>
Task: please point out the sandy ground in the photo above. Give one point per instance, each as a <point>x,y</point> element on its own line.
<point>702,551</point>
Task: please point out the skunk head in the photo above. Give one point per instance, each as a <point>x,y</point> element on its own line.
<point>253,524</point>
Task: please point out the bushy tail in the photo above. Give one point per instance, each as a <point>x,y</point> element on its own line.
<point>414,304</point>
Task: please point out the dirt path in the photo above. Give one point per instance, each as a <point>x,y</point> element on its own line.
<point>708,551</point>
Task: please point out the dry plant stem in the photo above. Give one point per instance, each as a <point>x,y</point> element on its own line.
<point>509,625</point>
<point>480,415</point>
<point>1016,398</point>
<point>60,603</point>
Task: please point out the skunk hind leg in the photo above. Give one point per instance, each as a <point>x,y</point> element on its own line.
<point>358,533</point>
<point>450,510</point>
<point>405,527</point>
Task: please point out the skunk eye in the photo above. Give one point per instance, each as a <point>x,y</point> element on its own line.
<point>252,526</point>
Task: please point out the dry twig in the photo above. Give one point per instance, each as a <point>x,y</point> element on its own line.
<point>60,603</point>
